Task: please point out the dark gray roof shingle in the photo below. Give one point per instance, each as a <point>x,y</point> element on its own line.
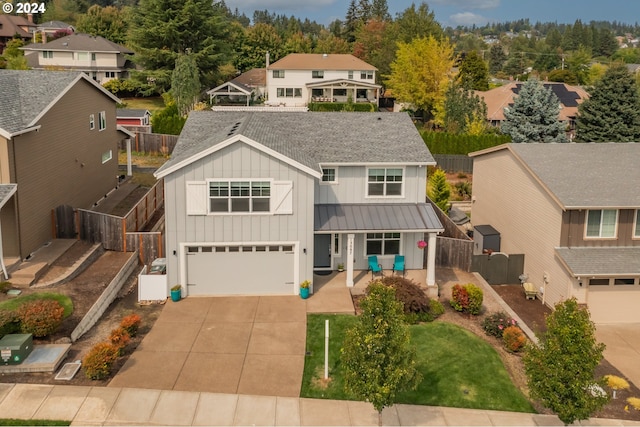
<point>128,112</point>
<point>375,217</point>
<point>601,261</point>
<point>80,42</point>
<point>309,138</point>
<point>586,175</point>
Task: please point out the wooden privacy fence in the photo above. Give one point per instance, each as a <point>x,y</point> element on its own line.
<point>151,143</point>
<point>454,163</point>
<point>454,249</point>
<point>140,215</point>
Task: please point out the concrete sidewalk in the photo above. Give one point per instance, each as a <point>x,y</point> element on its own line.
<point>124,406</point>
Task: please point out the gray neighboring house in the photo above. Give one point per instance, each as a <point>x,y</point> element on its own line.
<point>255,202</point>
<point>573,210</point>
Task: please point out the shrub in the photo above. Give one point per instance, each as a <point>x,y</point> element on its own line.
<point>408,293</point>
<point>40,317</point>
<point>5,287</point>
<point>9,322</point>
<point>495,323</point>
<point>120,338</point>
<point>459,298</point>
<point>616,383</point>
<point>475,298</point>
<point>513,339</point>
<point>635,402</point>
<point>97,363</point>
<point>436,308</point>
<point>131,324</point>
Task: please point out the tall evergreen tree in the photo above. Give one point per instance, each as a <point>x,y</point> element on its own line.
<point>461,110</point>
<point>419,22</point>
<point>534,115</point>
<point>380,10</point>
<point>612,112</point>
<point>474,73</point>
<point>497,58</point>
<point>185,83</point>
<point>351,21</point>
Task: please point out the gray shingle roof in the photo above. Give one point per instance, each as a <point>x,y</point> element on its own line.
<point>375,217</point>
<point>80,42</point>
<point>130,112</point>
<point>6,191</point>
<point>25,94</point>
<point>309,138</point>
<point>601,261</point>
<point>587,175</point>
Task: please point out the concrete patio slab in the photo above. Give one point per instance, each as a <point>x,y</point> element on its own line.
<point>175,408</point>
<point>287,411</point>
<point>209,372</point>
<point>232,309</point>
<point>223,338</point>
<point>190,310</point>
<point>23,400</point>
<point>133,406</point>
<point>63,403</point>
<point>97,405</point>
<point>215,410</point>
<point>272,375</point>
<point>278,338</point>
<point>151,370</point>
<point>281,309</point>
<point>331,300</point>
<point>315,412</point>
<point>255,411</point>
<point>170,337</point>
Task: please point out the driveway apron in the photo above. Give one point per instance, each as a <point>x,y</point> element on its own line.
<point>245,345</point>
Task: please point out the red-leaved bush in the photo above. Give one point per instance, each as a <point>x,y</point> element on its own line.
<point>131,323</point>
<point>513,339</point>
<point>98,362</point>
<point>120,338</point>
<point>40,317</point>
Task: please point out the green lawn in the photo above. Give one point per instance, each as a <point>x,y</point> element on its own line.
<point>459,369</point>
<point>152,103</point>
<point>14,303</point>
<point>15,422</point>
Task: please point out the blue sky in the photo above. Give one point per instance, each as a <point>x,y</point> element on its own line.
<point>462,12</point>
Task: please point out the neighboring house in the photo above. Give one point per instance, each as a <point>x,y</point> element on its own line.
<point>58,144</point>
<point>256,201</point>
<point>247,87</point>
<point>499,98</point>
<point>301,78</point>
<point>573,210</point>
<point>134,119</point>
<point>99,58</point>
<point>12,26</point>
<point>50,28</point>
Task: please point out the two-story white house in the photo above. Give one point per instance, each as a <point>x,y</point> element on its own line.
<point>301,78</point>
<point>255,202</point>
<point>99,58</point>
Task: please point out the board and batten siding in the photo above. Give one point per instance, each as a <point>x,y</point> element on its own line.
<point>573,230</point>
<point>351,186</point>
<point>508,198</point>
<point>61,164</point>
<point>239,161</point>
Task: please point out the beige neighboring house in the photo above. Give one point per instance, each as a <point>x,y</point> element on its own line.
<point>573,210</point>
<point>12,26</point>
<point>301,78</point>
<point>99,58</point>
<point>242,90</point>
<point>499,98</point>
<point>58,146</point>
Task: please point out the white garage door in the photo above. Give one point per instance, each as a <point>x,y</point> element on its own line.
<point>615,303</point>
<point>240,270</point>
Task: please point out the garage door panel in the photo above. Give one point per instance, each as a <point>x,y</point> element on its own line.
<point>614,304</point>
<point>240,273</point>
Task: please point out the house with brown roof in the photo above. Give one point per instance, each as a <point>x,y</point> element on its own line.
<point>247,87</point>
<point>499,98</point>
<point>301,78</point>
<point>99,58</point>
<point>14,25</point>
<point>573,210</point>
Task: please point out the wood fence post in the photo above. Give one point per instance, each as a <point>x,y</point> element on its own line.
<point>124,234</point>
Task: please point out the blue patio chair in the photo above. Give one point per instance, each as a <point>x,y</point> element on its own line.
<point>398,264</point>
<point>374,266</point>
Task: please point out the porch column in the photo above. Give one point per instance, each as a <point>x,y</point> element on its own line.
<point>431,261</point>
<point>350,260</point>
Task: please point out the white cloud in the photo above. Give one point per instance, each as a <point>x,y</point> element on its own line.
<point>469,4</point>
<point>467,19</point>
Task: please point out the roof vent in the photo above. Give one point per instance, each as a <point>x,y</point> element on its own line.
<point>379,118</point>
<point>234,128</point>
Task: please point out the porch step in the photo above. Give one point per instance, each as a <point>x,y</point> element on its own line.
<point>28,273</point>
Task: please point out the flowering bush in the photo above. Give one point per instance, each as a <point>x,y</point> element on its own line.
<point>495,323</point>
<point>513,338</point>
<point>131,323</point>
<point>459,298</point>
<point>635,402</point>
<point>467,298</point>
<point>120,338</point>
<point>40,317</point>
<point>97,363</point>
<point>616,383</point>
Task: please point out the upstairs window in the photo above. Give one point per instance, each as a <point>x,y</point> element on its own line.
<point>366,75</point>
<point>239,196</point>
<point>102,120</point>
<point>384,182</point>
<point>636,231</point>
<point>92,121</point>
<point>47,54</point>
<point>601,223</point>
<point>289,92</point>
<point>278,74</point>
<point>350,75</point>
<point>93,56</point>
<point>317,74</point>
<point>329,175</point>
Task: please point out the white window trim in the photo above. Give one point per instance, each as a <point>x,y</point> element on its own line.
<point>110,156</point>
<point>250,180</point>
<point>92,121</point>
<point>335,174</point>
<point>389,256</point>
<point>635,236</point>
<point>366,182</point>
<point>102,119</point>
<point>586,225</point>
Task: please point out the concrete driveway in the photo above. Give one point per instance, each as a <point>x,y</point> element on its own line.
<point>237,345</point>
<point>623,348</point>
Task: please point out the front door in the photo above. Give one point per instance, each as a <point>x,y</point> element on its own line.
<point>322,251</point>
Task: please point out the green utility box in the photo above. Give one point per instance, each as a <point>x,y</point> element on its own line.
<point>14,348</point>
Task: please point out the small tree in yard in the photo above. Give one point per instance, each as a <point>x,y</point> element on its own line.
<point>561,368</point>
<point>378,359</point>
<point>439,190</point>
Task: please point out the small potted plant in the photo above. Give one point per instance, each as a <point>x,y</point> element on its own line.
<point>341,267</point>
<point>176,293</point>
<point>304,289</point>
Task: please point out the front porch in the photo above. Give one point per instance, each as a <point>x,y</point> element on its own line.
<point>343,91</point>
